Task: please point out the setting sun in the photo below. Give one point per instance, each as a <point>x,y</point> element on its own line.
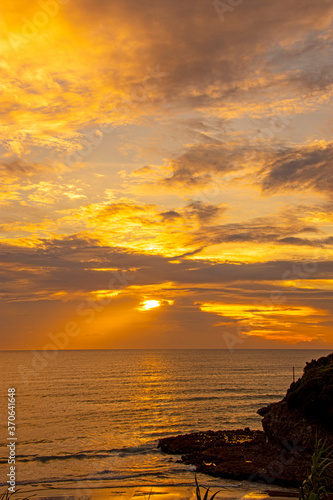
<point>150,304</point>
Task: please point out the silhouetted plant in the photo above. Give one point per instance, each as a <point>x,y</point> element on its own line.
<point>207,491</point>
<point>314,487</point>
<point>7,495</point>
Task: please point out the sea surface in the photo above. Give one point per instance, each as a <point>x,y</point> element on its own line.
<point>92,419</point>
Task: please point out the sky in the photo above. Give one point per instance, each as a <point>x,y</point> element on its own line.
<point>166,174</point>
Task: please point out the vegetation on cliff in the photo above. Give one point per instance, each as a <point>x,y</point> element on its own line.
<point>312,394</point>
<point>306,411</point>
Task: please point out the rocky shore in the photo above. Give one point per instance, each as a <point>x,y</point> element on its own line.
<point>280,454</point>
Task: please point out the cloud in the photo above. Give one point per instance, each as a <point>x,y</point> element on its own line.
<point>306,242</point>
<point>82,263</point>
<point>58,276</point>
<point>15,167</point>
<point>282,228</point>
<point>145,62</point>
<point>301,168</point>
<point>205,212</point>
<point>196,165</point>
<point>204,165</point>
<point>170,215</point>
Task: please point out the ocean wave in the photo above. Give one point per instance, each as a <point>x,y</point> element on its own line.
<point>201,398</point>
<point>88,479</point>
<point>74,484</point>
<point>129,450</point>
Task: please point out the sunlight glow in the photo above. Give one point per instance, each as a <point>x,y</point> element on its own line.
<point>149,304</point>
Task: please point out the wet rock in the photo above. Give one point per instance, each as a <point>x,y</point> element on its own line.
<point>240,455</point>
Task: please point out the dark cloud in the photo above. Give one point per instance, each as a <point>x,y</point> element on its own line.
<point>205,212</point>
<point>196,165</point>
<point>299,169</point>
<point>206,58</point>
<point>170,215</point>
<point>69,263</point>
<point>33,280</point>
<point>16,167</point>
<point>305,242</point>
<point>279,229</point>
<point>186,254</point>
<point>306,64</point>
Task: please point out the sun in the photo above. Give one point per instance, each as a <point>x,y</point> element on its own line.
<point>150,304</point>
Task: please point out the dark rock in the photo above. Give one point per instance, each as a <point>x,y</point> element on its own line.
<point>240,455</point>
<point>307,408</point>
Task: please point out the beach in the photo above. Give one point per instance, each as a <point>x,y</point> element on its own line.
<point>162,493</point>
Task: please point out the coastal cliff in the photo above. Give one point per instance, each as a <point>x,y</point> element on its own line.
<point>306,410</point>
<point>280,454</point>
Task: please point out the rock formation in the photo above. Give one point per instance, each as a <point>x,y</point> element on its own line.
<point>306,410</point>
<point>281,454</point>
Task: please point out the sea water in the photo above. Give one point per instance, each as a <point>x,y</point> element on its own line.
<point>92,419</point>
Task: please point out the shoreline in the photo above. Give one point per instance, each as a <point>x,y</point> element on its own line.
<point>160,492</point>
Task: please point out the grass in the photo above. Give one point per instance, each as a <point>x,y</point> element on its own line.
<point>7,495</point>
<point>149,494</point>
<point>314,487</point>
<point>198,492</point>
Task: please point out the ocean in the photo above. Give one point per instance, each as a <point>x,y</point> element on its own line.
<point>92,419</point>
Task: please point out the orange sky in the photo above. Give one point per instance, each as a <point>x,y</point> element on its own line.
<point>166,173</point>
